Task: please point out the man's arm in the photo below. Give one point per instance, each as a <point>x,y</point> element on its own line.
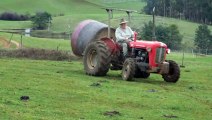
<point>132,33</point>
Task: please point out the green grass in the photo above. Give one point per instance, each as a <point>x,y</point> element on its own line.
<point>42,43</point>
<point>55,7</point>
<point>14,25</point>
<point>132,5</point>
<point>61,90</point>
<point>64,6</point>
<point>69,22</point>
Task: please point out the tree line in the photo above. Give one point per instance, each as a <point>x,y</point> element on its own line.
<point>12,16</point>
<point>40,20</point>
<point>194,10</point>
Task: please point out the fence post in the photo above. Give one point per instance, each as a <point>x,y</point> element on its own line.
<point>21,41</point>
<point>206,52</point>
<point>192,50</point>
<point>183,59</point>
<point>58,47</point>
<point>11,38</point>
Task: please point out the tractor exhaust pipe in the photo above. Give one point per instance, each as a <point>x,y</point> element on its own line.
<point>153,31</point>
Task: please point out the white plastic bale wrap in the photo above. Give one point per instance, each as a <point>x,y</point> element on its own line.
<point>86,32</point>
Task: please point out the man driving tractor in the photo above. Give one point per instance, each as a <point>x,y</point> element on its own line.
<point>124,35</point>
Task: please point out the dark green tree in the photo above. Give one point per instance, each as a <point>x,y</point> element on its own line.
<point>169,35</point>
<point>203,38</point>
<point>210,46</point>
<point>41,20</point>
<point>174,37</point>
<point>146,32</point>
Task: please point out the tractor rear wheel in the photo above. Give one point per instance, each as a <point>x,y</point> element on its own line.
<point>128,70</point>
<point>174,72</point>
<point>97,59</point>
<point>141,74</point>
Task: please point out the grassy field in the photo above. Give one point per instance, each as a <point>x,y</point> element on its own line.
<point>61,90</point>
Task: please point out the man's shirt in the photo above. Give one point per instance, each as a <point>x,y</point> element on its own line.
<point>122,34</point>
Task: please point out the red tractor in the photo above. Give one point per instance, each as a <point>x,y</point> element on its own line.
<point>101,53</point>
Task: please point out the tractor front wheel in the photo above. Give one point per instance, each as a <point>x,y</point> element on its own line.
<point>128,70</point>
<point>97,59</point>
<point>174,72</point>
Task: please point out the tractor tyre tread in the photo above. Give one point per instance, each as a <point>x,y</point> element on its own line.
<point>175,75</point>
<point>104,59</point>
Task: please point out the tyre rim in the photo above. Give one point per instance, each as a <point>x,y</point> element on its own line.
<point>126,71</point>
<point>92,59</point>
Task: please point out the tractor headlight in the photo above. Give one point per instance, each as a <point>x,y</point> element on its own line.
<point>168,51</point>
<point>149,49</point>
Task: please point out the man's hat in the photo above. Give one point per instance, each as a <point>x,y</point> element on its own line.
<point>123,21</point>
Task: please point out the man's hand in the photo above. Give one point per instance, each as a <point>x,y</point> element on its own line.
<point>128,40</point>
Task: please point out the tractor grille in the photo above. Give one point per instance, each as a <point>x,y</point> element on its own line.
<point>160,53</point>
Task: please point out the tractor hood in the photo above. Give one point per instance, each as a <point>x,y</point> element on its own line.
<point>147,44</point>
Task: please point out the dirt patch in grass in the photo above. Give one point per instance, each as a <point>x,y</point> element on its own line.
<point>112,113</point>
<point>170,116</point>
<point>6,44</point>
<point>95,85</point>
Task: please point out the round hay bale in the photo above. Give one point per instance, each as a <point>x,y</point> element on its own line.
<point>86,32</point>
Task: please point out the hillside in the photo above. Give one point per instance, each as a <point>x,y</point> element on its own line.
<point>66,7</point>
<point>77,10</point>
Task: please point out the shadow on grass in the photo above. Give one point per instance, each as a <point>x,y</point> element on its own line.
<point>150,81</point>
<point>138,80</point>
<point>117,77</point>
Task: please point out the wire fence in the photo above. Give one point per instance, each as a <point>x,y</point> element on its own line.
<point>202,51</point>
<point>195,52</point>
